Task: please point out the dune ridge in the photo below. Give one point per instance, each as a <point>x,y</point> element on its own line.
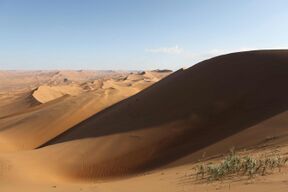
<point>185,112</point>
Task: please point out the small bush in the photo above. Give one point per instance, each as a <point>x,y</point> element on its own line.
<point>236,165</point>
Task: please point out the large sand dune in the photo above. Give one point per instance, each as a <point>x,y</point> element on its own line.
<point>235,100</point>
<point>185,112</point>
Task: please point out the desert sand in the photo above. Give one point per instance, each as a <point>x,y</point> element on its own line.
<point>143,131</point>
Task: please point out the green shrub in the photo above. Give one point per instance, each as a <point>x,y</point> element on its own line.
<point>236,165</point>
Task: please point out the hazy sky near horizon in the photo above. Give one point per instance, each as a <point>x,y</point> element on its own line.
<point>134,34</point>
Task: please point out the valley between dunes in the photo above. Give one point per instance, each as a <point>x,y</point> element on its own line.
<point>143,131</point>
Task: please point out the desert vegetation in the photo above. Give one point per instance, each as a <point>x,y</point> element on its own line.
<point>236,165</point>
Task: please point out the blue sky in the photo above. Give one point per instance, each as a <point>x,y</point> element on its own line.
<point>134,34</point>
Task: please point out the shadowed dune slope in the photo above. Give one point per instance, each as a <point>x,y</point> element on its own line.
<point>17,103</point>
<point>185,112</point>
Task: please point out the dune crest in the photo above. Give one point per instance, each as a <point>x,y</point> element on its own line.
<point>46,93</point>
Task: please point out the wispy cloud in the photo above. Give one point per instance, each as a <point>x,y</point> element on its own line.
<point>167,50</point>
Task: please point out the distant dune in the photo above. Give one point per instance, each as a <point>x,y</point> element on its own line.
<point>46,93</point>
<point>26,123</point>
<point>126,125</point>
<point>15,80</point>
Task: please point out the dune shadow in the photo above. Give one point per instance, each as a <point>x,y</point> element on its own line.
<point>217,98</point>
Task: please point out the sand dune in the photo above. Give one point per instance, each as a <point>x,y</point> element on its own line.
<point>29,80</point>
<point>183,113</point>
<point>45,93</point>
<point>235,100</point>
<point>138,81</point>
<point>64,107</point>
<point>16,103</point>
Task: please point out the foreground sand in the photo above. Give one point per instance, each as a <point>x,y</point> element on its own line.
<point>129,132</point>
<point>179,178</point>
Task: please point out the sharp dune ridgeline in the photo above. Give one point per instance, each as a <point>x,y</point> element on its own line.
<point>125,124</point>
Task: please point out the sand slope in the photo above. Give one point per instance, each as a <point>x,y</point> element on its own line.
<point>24,127</point>
<point>180,115</point>
<point>16,103</point>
